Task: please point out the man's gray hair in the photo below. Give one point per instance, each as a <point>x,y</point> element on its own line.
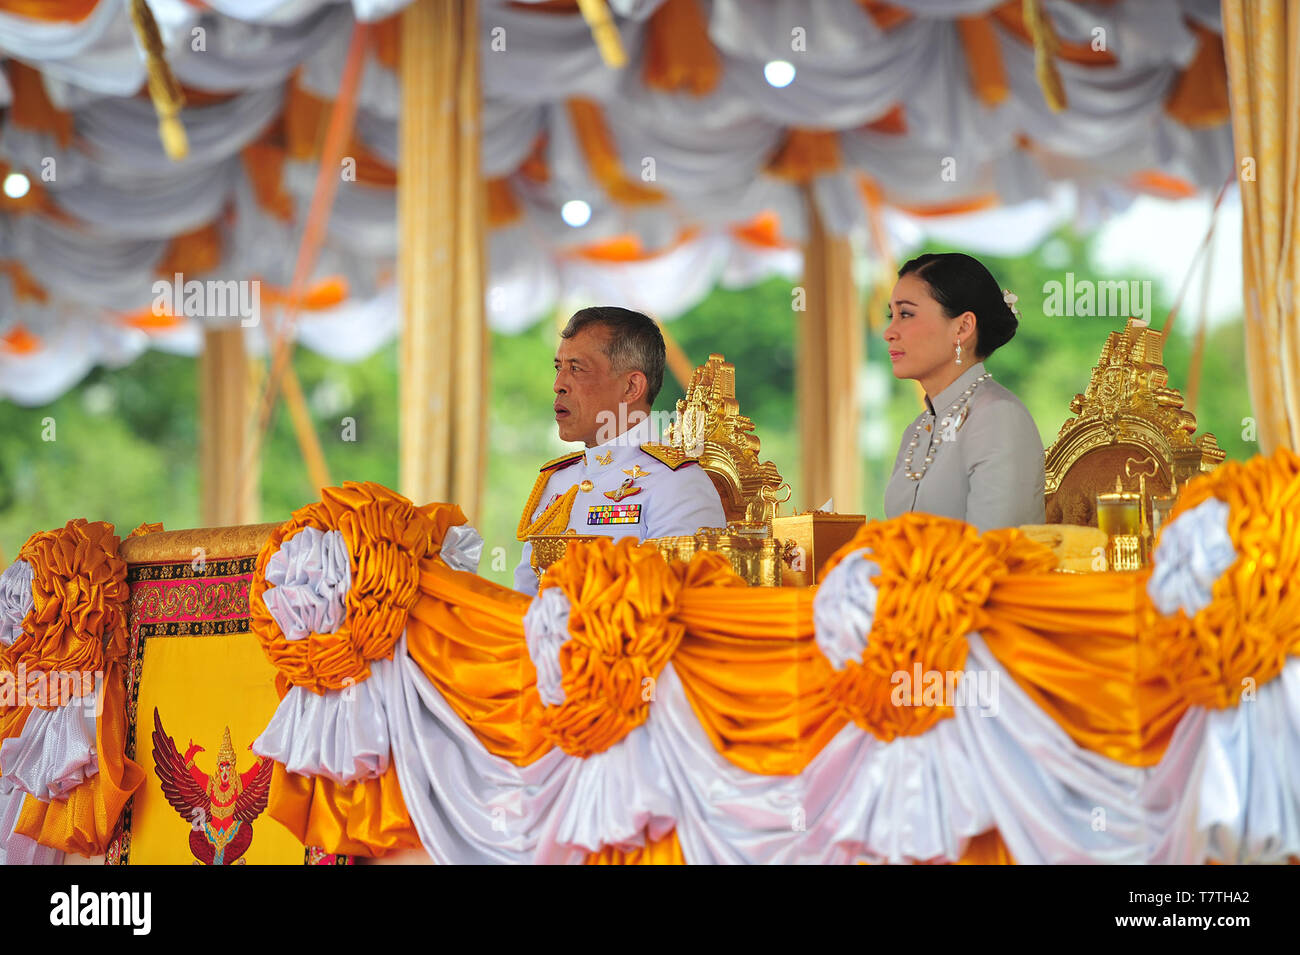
<point>635,342</point>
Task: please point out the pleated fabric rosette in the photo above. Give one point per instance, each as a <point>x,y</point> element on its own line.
<point>332,591</point>
<point>64,777</point>
<point>1222,623</point>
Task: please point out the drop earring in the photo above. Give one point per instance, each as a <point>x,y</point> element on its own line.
<point>959,353</point>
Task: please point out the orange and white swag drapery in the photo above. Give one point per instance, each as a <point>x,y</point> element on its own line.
<point>638,710</point>
<point>895,88</point>
<point>64,778</point>
<point>671,705</point>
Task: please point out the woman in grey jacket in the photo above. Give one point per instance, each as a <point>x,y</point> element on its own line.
<point>974,454</point>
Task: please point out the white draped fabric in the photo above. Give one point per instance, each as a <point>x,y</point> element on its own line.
<point>340,734</point>
<point>54,752</point>
<point>16,599</point>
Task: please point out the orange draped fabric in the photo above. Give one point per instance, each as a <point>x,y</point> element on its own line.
<point>366,818</point>
<point>893,123</point>
<point>763,691</point>
<point>534,167</point>
<point>386,537</point>
<point>26,288</point>
<point>597,144</point>
<point>77,622</point>
<point>979,40</point>
<point>192,253</point>
<point>623,628</point>
<point>763,230</point>
<point>12,720</point>
<point>987,849</point>
<point>503,207</point>
<point>77,625</point>
<point>886,15</point>
<point>31,107</point>
<point>755,677</point>
<point>665,851</point>
<point>263,163</point>
<point>1158,183</point>
<point>1200,97</point>
<point>1069,641</point>
<point>678,54</point>
<point>806,154</point>
<point>467,635</point>
<point>874,197</point>
<point>1252,625</point>
<point>306,118</point>
<point>386,41</point>
<point>1087,648</point>
<point>54,11</point>
<point>629,248</point>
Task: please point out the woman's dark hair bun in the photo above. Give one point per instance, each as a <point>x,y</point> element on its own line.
<point>961,283</point>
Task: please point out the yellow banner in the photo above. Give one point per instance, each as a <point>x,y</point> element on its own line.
<point>205,805</point>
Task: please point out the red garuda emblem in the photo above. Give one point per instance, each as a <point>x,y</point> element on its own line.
<point>219,808</point>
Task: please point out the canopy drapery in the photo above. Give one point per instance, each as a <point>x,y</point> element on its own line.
<point>681,152</point>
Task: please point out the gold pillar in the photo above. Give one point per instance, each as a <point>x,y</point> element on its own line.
<point>829,354</point>
<point>227,395</point>
<point>443,379</point>
<point>1261,42</point>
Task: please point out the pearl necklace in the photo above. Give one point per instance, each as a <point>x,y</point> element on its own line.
<point>956,409</point>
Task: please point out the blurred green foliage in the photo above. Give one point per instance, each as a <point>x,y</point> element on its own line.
<point>125,440</point>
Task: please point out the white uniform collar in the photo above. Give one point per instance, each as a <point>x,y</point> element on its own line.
<point>949,394</point>
<point>623,447</point>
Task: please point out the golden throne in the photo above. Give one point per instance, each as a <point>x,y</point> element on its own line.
<point>1128,425</point>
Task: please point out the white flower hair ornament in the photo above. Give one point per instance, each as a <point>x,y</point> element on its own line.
<point>1011,298</point>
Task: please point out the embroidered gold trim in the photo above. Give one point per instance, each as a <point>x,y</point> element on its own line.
<point>668,454</point>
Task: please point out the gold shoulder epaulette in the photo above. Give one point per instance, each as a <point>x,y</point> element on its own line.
<point>561,461</point>
<point>669,454</point>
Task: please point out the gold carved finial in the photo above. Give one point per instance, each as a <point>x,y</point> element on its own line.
<point>710,427</point>
<point>1128,402</point>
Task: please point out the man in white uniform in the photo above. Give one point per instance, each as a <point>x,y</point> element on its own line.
<point>608,370</point>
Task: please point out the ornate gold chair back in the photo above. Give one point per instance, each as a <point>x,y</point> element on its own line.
<point>1129,424</point>
<point>709,424</point>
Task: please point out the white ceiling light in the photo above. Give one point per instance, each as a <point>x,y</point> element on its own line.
<point>779,73</point>
<point>16,185</point>
<point>576,213</point>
